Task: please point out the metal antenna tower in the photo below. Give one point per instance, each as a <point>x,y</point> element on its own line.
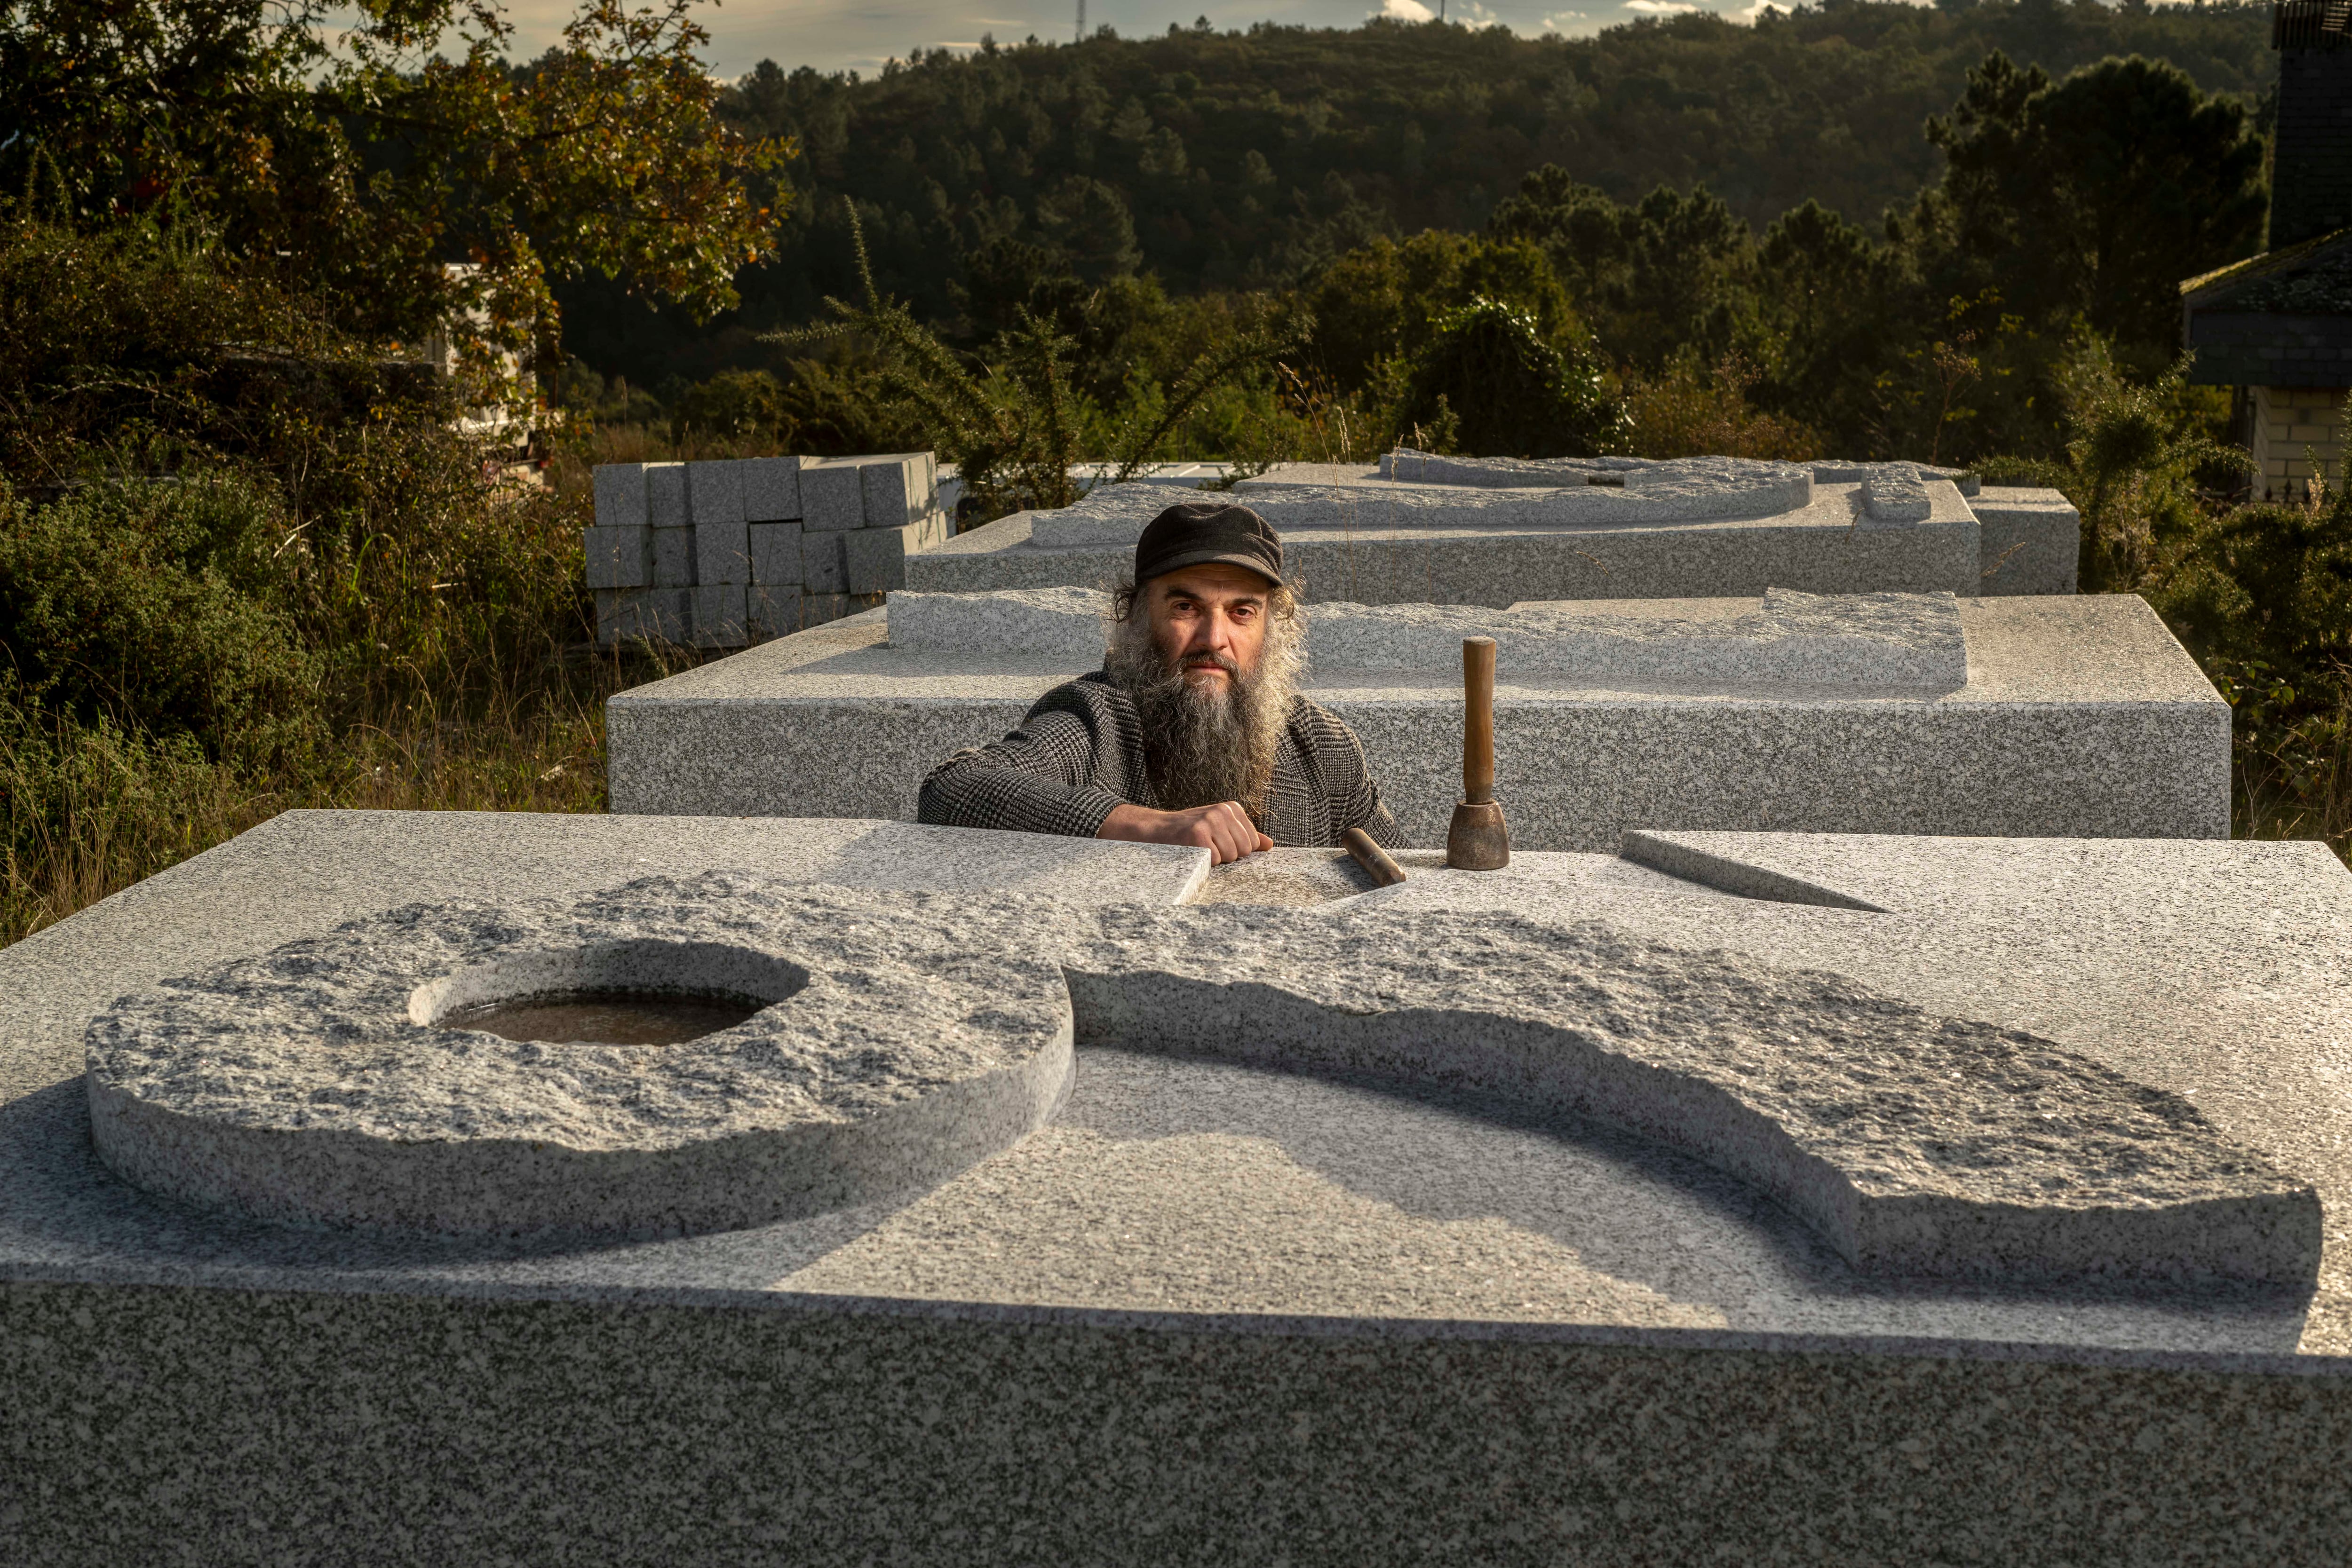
<point>1082,22</point>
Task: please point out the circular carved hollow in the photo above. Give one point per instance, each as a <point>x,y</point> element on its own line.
<point>319,1082</point>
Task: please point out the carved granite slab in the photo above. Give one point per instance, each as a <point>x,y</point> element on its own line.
<point>931,1029</point>
<point>1683,490</point>
<point>1430,469</point>
<point>1884,641</point>
<point>313,1084</point>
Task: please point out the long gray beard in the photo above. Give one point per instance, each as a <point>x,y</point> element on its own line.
<point>1209,743</point>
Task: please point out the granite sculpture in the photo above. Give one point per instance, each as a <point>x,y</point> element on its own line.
<point>1898,1192</point>
<point>1492,531</point>
<point>2071,715</point>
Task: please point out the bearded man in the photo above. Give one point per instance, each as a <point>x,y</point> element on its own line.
<point>1193,731</point>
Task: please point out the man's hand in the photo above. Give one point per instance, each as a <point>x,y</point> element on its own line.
<point>1224,830</point>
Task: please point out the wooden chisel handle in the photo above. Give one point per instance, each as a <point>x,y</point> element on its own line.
<point>1477,719</point>
<point>1383,867</point>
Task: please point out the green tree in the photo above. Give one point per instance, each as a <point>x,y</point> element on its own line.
<point>2090,198</point>
<point>1510,391</point>
<point>411,188</point>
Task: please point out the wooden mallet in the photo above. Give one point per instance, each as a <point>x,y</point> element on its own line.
<point>1477,841</point>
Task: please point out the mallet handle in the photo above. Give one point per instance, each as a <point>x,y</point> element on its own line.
<point>1477,719</point>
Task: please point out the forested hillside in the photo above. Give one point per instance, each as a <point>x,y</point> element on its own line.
<point>1236,160</point>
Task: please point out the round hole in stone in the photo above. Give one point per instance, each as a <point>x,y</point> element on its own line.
<point>613,993</point>
<point>605,1018</point>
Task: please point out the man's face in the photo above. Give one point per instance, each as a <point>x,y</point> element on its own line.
<point>1209,622</point>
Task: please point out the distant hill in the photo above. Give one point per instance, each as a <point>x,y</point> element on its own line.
<point>1225,159</point>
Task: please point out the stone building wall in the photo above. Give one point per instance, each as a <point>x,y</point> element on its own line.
<point>2294,428</point>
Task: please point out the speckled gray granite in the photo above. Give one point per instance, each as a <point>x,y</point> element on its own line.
<point>1893,495</point>
<point>311,1084</point>
<point>1211,1313</point>
<point>2080,716</point>
<point>1407,466</point>
<point>321,1082</point>
<point>1696,489</point>
<point>1492,554</point>
<point>1995,541</point>
<point>2031,539</point>
<point>1883,640</point>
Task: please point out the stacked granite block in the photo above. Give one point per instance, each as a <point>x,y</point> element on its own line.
<point>725,553</point>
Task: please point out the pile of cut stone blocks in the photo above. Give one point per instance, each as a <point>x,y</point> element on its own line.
<point>725,553</point>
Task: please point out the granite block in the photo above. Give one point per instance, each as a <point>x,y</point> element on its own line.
<point>2031,542</point>
<point>772,609</point>
<point>824,562</point>
<point>1692,490</point>
<point>658,614</point>
<point>665,502</point>
<point>294,1427</point>
<point>620,490</point>
<point>908,1036</point>
<point>875,558</point>
<point>2081,716</point>
<point>618,557</point>
<point>1893,495</point>
<point>820,609</point>
<point>832,496</point>
<point>771,489</point>
<point>722,552</point>
<point>776,552</point>
<point>720,615</point>
<point>895,490</point>
<point>1866,642</point>
<point>1815,550</point>
<point>714,493</point>
<point>1238,1307</point>
<point>673,558</point>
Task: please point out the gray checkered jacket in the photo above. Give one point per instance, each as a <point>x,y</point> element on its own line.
<point>1078,754</point>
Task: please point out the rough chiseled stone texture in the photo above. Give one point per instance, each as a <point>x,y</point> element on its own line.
<point>1430,469</point>
<point>1893,495</point>
<point>1694,489</point>
<point>1914,1145</point>
<point>1885,642</point>
<point>310,1084</point>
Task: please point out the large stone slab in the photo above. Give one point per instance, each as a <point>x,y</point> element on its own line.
<point>1214,1304</point>
<point>2078,716</point>
<point>1878,641</point>
<point>1695,528</point>
<point>1405,544</point>
<point>907,1037</point>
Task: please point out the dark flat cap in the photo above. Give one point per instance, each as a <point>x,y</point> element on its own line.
<point>1198,533</point>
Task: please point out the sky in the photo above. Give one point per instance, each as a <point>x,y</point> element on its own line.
<point>860,35</point>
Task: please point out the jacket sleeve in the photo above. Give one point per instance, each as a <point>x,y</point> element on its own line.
<point>1038,780</point>
<point>1364,808</point>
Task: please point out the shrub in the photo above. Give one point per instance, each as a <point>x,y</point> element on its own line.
<point>1511,392</point>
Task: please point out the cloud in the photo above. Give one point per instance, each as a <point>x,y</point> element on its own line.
<point>1558,22</point>
<point>1659,7</point>
<point>1406,11</point>
<point>1756,12</point>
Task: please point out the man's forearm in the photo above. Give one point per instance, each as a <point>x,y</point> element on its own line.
<point>977,790</point>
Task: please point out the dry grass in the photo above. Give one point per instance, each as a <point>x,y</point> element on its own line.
<point>130,816</point>
<point>2295,781</point>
